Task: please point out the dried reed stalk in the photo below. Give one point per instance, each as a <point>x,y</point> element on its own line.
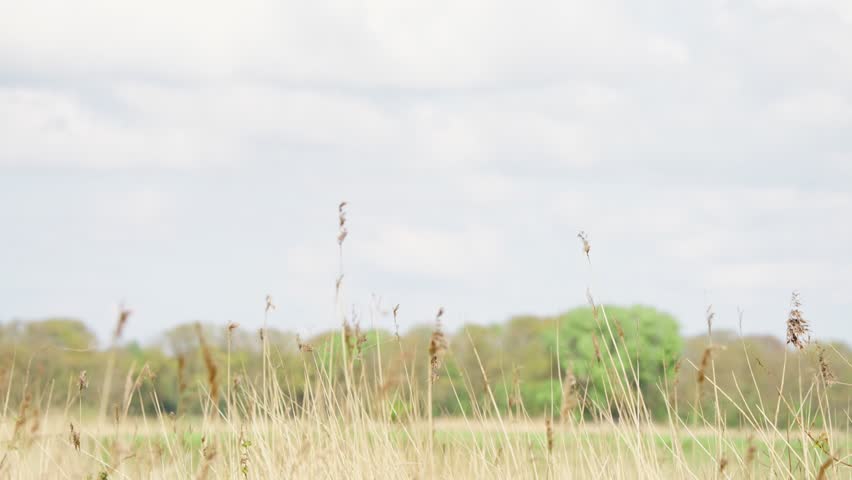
<point>120,324</point>
<point>210,365</point>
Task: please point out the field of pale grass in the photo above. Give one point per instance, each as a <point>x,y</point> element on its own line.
<point>344,426</point>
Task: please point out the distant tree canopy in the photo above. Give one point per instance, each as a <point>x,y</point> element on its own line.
<point>526,361</point>
<point>53,332</point>
<point>542,347</point>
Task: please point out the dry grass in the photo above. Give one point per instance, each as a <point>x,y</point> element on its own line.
<point>353,429</point>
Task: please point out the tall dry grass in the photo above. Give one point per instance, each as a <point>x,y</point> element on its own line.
<point>379,424</point>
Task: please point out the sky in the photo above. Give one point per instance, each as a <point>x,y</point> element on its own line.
<point>188,158</point>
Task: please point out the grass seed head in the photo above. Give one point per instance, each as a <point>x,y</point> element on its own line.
<point>597,345</point>
<point>437,346</point>
<point>548,426</point>
<point>270,306</point>
<point>587,247</point>
<point>798,331</point>
<point>342,232</point>
<point>591,300</point>
<point>710,315</point>
<point>82,382</point>
<point>22,417</point>
<point>825,371</point>
<point>337,284</point>
<point>723,464</point>
<point>303,347</point>
<point>396,321</point>
<point>618,329</point>
<point>751,452</point>
<point>705,363</point>
<point>569,396</point>
<point>123,316</point>
<point>75,438</point>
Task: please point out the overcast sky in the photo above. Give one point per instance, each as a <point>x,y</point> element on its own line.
<point>188,158</point>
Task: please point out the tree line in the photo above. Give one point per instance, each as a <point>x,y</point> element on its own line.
<point>538,364</point>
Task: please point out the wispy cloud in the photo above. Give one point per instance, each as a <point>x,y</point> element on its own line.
<point>704,147</point>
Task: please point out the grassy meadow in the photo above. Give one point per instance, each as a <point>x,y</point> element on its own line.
<point>601,392</point>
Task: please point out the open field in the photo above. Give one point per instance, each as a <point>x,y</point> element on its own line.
<point>342,424</point>
<point>304,448</point>
<point>589,396</point>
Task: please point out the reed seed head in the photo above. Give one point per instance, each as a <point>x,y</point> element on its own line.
<point>342,232</point>
<point>710,315</point>
<point>123,316</point>
<point>396,321</point>
<point>798,332</point>
<point>82,382</point>
<point>587,247</point>
<point>825,371</point>
<point>597,345</point>
<point>705,363</point>
<point>337,284</point>
<point>618,329</point>
<point>270,306</point>
<point>569,396</point>
<point>303,347</point>
<point>591,300</point>
<point>548,425</point>
<point>21,419</point>
<point>75,438</point>
<point>437,346</point>
<point>751,452</point>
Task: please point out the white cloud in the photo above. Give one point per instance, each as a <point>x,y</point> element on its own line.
<point>702,147</point>
<point>219,124</point>
<point>142,212</point>
<point>370,42</point>
<point>775,275</point>
<point>404,249</point>
<point>241,113</point>
<point>39,127</point>
<point>815,109</point>
<point>557,85</point>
